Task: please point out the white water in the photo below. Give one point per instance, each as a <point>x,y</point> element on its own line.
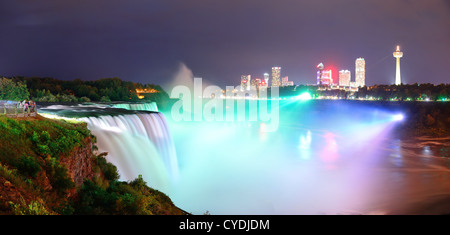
<point>138,144</point>
<point>151,106</point>
<point>138,106</point>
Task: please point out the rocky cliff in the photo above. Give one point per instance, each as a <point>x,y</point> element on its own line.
<point>18,192</point>
<point>79,162</point>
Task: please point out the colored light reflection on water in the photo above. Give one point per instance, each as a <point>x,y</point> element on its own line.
<point>324,158</point>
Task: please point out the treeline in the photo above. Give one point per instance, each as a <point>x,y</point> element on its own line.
<point>404,92</point>
<point>407,92</point>
<point>48,89</point>
<point>10,90</point>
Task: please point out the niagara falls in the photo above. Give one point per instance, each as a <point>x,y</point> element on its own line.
<point>326,157</point>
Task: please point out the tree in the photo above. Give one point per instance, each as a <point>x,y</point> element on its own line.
<point>10,90</point>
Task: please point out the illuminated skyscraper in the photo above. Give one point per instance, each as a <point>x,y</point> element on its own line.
<point>263,84</point>
<point>360,72</point>
<point>255,83</point>
<point>344,78</point>
<point>327,77</point>
<point>276,76</point>
<point>245,82</point>
<point>285,81</point>
<point>324,77</point>
<point>266,79</point>
<point>398,54</point>
<point>319,73</point>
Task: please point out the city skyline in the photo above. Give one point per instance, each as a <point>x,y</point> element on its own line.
<point>147,42</point>
<point>323,75</point>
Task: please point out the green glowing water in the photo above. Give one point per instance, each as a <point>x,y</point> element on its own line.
<point>326,157</point>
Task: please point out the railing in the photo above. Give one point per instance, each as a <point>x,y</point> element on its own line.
<point>14,111</point>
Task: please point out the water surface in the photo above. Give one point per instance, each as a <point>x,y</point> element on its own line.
<point>325,158</point>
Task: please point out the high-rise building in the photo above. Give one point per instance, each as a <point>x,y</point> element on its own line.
<point>327,77</point>
<point>285,81</point>
<point>319,73</point>
<point>398,54</point>
<point>263,84</point>
<point>344,78</point>
<point>360,72</point>
<point>255,83</point>
<point>245,82</point>
<point>324,77</point>
<point>266,79</point>
<point>276,76</point>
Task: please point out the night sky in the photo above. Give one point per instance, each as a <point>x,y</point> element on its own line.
<point>219,40</point>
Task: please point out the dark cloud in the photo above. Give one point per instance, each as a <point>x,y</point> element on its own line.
<point>145,41</point>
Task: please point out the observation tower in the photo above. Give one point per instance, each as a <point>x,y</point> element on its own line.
<point>398,54</point>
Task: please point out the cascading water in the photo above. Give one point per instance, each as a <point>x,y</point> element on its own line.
<point>137,106</point>
<point>138,144</point>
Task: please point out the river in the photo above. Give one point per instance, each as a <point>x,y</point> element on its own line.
<point>326,157</point>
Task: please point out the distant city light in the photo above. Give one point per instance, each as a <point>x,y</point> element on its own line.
<point>360,72</point>
<point>139,92</point>
<point>324,76</point>
<point>276,76</point>
<point>344,78</point>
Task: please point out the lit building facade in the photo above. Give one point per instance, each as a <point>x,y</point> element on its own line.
<point>276,71</point>
<point>344,78</point>
<point>255,83</point>
<point>320,68</point>
<point>263,84</point>
<point>245,82</point>
<point>360,72</point>
<point>266,80</point>
<point>324,77</point>
<point>285,81</point>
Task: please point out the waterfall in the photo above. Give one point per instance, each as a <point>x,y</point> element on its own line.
<point>137,144</point>
<point>137,106</point>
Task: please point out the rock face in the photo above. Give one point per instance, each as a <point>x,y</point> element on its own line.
<point>79,166</point>
<point>79,163</point>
